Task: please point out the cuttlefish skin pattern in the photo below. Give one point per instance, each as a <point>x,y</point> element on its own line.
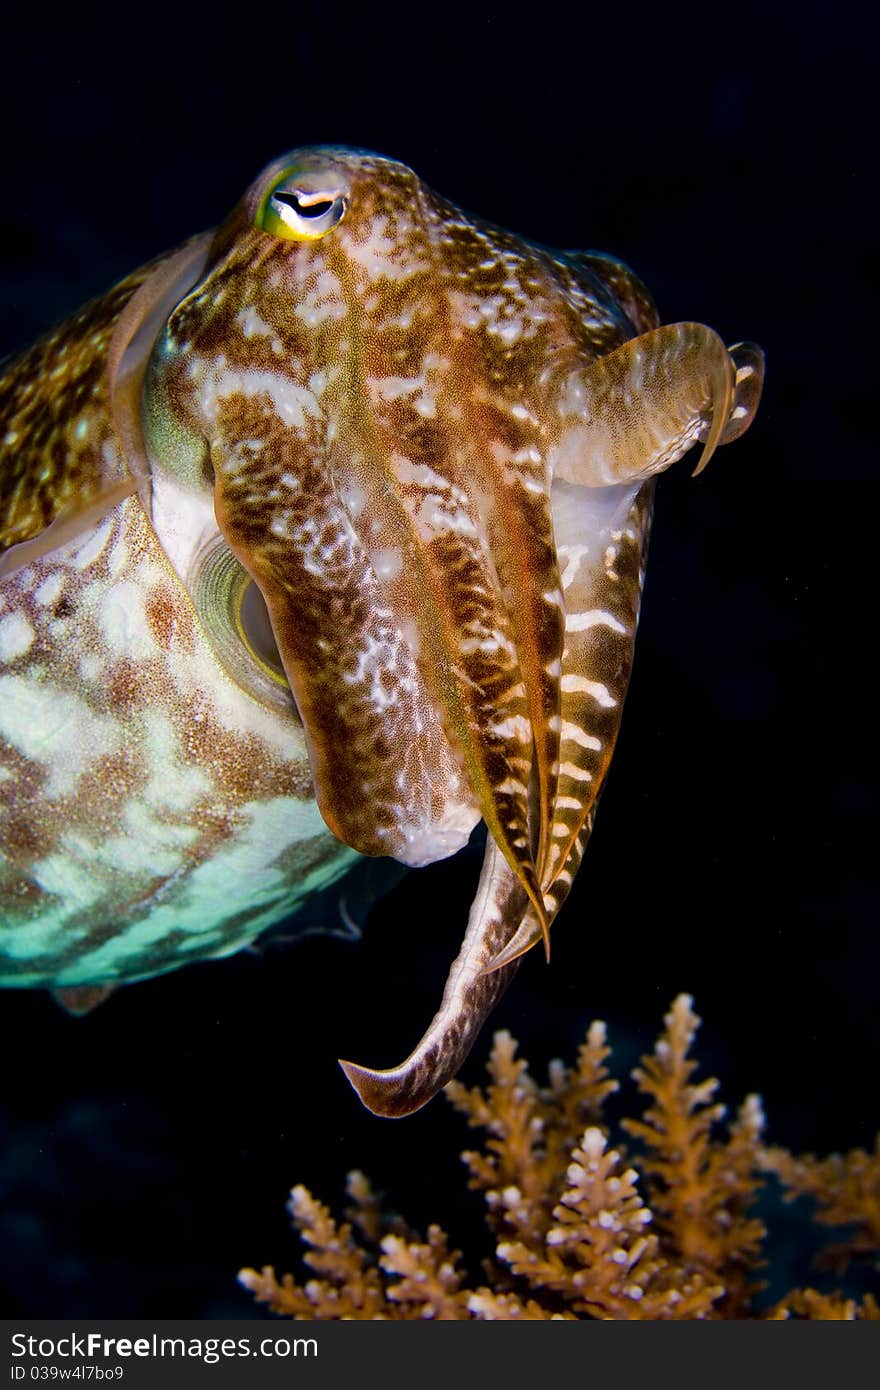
<point>431,445</point>
<point>152,811</point>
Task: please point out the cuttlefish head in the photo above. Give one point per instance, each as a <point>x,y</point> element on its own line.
<point>392,404</point>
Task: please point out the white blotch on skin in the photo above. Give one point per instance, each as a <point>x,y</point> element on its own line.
<point>91,666</point>
<point>175,784</point>
<point>55,728</point>
<point>488,642</point>
<point>573,733</point>
<point>573,397</point>
<point>511,786</point>
<point>577,774</point>
<point>579,685</point>
<point>16,637</point>
<point>384,252</point>
<point>50,589</point>
<point>420,475</point>
<point>509,332</point>
<point>148,844</point>
<point>596,617</point>
<point>123,621</point>
<point>435,516</point>
<point>73,883</point>
<point>387,562</point>
<point>292,403</point>
<point>252,324</point>
<point>353,498</point>
<point>515,726</point>
<point>112,457</point>
<point>572,555</point>
<point>322,300</point>
<point>319,381</point>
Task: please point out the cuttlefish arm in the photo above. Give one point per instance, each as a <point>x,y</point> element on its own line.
<point>637,410</point>
<point>627,417</point>
<point>472,991</point>
<point>692,390</point>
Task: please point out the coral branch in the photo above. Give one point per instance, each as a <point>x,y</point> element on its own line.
<point>582,1229</point>
<point>700,1187</point>
<point>846,1190</point>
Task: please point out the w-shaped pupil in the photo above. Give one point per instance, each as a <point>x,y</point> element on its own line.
<point>292,200</point>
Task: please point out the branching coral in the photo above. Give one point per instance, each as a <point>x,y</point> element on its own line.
<point>584,1229</point>
<point>846,1190</point>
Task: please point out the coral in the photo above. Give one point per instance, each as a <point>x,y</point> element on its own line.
<point>585,1228</point>
<point>846,1190</point>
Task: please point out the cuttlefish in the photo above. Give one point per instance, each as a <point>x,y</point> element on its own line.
<point>325,534</point>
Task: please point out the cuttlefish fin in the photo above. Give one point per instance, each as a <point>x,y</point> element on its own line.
<point>67,526</point>
<point>470,995</point>
<point>133,337</point>
<point>81,999</point>
<point>642,406</point>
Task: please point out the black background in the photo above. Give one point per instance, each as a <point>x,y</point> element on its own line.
<point>728,154</point>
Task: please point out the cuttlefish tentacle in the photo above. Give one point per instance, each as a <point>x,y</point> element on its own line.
<point>636,411</point>
<point>498,440</point>
<point>602,538</point>
<point>471,992</point>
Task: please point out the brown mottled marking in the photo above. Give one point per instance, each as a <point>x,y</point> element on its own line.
<point>125,686</point>
<point>431,445</point>
<point>395,406</point>
<point>54,422</point>
<point>169,624</point>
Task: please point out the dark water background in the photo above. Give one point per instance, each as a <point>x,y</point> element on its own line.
<point>146,1151</point>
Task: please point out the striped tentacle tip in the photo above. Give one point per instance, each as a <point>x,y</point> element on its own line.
<point>394,1093</point>
<point>529,932</point>
<point>470,997</point>
<point>748,363</point>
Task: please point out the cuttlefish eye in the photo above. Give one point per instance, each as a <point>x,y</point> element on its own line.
<point>250,620</point>
<point>299,208</point>
<point>235,618</point>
